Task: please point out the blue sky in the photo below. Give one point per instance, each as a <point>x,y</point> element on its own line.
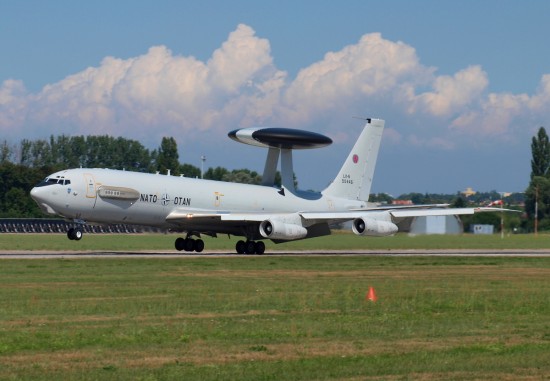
<point>463,86</point>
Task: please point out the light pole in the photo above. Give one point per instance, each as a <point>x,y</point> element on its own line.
<point>203,159</point>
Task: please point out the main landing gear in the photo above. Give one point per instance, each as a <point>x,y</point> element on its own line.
<point>189,244</point>
<point>75,234</point>
<point>242,247</point>
<point>250,247</point>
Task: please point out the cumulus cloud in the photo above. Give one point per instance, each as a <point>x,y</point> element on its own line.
<point>494,115</point>
<point>160,93</point>
<point>374,68</point>
<point>158,90</point>
<point>11,90</point>
<point>451,94</point>
<point>12,104</point>
<point>505,115</point>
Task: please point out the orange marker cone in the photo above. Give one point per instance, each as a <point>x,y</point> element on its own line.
<point>372,295</point>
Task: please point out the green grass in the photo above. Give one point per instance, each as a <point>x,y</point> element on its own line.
<point>337,241</point>
<point>275,318</point>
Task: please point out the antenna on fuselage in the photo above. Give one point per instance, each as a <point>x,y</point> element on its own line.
<point>280,142</point>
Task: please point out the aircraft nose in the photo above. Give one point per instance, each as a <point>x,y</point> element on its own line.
<point>35,193</point>
<point>38,194</point>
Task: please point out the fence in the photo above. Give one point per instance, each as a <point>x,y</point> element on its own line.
<point>39,225</point>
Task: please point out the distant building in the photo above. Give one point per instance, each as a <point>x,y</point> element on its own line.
<point>482,229</point>
<point>436,225</point>
<point>468,192</point>
<point>402,202</point>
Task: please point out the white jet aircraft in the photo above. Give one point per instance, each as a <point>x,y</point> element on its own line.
<point>256,212</point>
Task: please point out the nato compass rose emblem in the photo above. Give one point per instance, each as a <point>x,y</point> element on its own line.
<point>165,199</point>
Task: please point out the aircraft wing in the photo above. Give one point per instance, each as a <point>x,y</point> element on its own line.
<point>280,227</point>
<point>400,212</point>
<point>383,222</point>
<point>187,216</point>
<point>224,222</point>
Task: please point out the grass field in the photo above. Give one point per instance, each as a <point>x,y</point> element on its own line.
<point>337,241</point>
<point>275,318</point>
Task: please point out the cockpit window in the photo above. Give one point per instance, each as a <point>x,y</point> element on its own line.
<point>61,180</point>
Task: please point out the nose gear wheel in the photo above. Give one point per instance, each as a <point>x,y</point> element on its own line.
<point>75,234</point>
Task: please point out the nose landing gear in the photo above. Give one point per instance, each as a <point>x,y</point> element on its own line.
<point>75,234</point>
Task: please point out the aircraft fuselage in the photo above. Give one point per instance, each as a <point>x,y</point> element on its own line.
<point>112,196</point>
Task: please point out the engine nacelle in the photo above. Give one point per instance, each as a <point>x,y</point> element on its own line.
<point>275,229</point>
<point>373,228</point>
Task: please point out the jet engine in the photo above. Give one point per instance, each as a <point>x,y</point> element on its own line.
<point>275,229</point>
<point>373,228</point>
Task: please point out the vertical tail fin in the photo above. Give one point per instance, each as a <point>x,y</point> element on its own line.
<point>355,177</point>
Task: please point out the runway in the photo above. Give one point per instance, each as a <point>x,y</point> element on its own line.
<point>6,254</point>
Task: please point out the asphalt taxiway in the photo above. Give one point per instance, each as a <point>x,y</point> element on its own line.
<point>7,254</point>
